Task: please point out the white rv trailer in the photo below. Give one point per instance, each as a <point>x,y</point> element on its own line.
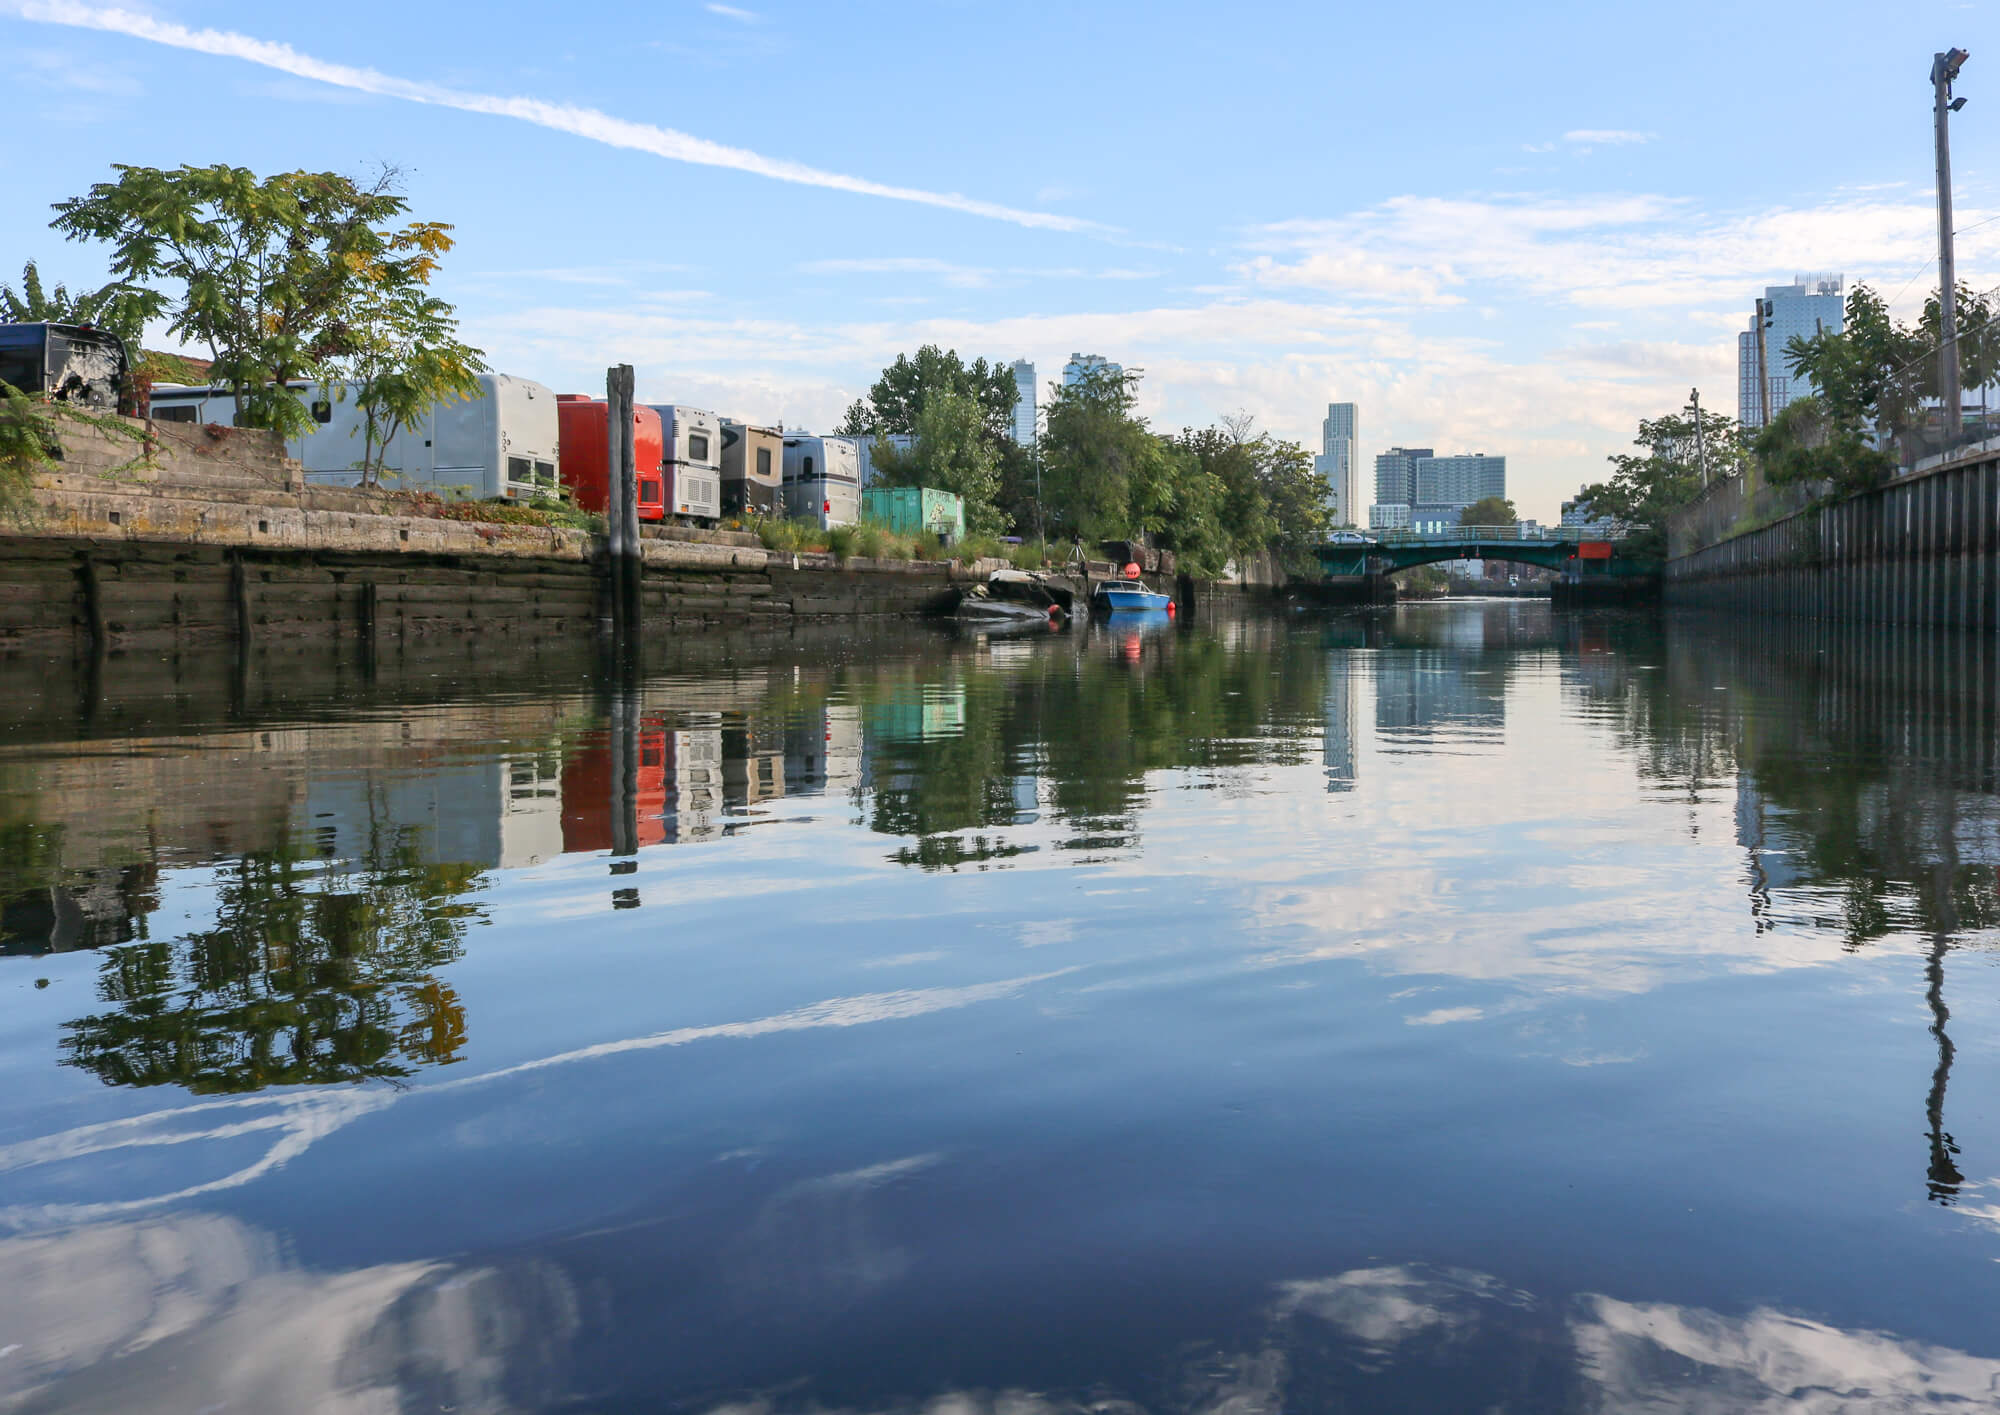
<point>822,481</point>
<point>500,442</point>
<point>693,442</point>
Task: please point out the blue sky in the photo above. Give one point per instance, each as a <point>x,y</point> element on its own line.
<point>1495,229</point>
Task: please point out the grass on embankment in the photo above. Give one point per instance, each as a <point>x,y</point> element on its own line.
<point>868,541</point>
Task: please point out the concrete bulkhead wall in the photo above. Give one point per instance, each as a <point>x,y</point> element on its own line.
<point>1920,550</point>
<point>217,536</point>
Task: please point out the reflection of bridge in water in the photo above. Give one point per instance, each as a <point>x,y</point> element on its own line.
<point>1567,550</point>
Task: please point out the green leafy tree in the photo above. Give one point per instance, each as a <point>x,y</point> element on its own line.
<point>1298,503</point>
<point>266,269</point>
<point>1667,473</point>
<point>404,355</point>
<point>1872,374</point>
<point>859,420</point>
<point>1489,511</point>
<point>1807,443</point>
<point>118,307</point>
<point>952,452</point>
<point>1095,449</point>
<point>905,386</point>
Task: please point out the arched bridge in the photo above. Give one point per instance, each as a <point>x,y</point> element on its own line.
<point>1567,550</point>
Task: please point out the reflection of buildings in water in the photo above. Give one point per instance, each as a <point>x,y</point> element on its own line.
<point>494,812</point>
<point>93,908</point>
<point>935,711</point>
<point>1343,708</point>
<point>694,798</point>
<point>1419,692</point>
<point>1778,858</point>
<point>823,751</point>
<point>753,765</point>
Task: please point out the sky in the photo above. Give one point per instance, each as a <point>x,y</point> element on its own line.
<point>1495,229</point>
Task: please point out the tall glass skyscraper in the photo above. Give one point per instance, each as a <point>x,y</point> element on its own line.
<point>1803,308</point>
<point>1024,406</point>
<point>1340,456</point>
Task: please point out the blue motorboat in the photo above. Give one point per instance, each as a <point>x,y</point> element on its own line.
<point>1131,595</point>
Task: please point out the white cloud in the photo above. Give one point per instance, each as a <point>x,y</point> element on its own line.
<point>587,123</point>
<point>732,12</point>
<point>1633,253</point>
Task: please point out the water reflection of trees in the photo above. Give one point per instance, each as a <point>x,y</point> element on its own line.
<point>1075,728</point>
<point>314,972</point>
<point>1867,791</point>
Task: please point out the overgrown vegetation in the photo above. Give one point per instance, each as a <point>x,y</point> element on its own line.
<point>1098,472</point>
<point>31,444</point>
<point>293,278</point>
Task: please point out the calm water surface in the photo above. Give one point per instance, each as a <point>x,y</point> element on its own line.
<point>1461,1008</point>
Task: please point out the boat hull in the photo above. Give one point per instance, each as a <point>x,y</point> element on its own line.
<point>1129,597</point>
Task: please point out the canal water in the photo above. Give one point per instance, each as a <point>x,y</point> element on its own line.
<point>1457,1007</point>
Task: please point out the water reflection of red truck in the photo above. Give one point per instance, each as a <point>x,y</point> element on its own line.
<point>586,790</point>
<point>585,460</point>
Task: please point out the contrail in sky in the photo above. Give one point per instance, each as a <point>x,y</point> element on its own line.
<point>582,122</point>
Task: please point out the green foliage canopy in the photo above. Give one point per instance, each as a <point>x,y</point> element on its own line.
<point>267,269</point>
<point>1489,511</point>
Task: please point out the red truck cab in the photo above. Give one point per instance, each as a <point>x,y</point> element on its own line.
<point>584,463</point>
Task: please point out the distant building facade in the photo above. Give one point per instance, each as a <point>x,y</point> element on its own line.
<point>1024,405</point>
<point>1416,489</point>
<point>1396,475</point>
<point>1577,512</point>
<point>1803,308</point>
<point>1460,480</point>
<point>1339,461</point>
<point>1081,366</point>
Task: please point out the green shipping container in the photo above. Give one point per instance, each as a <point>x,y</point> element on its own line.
<point>912,510</point>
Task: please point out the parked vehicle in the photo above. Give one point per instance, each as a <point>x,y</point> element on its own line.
<point>501,442</point>
<point>586,455</point>
<point>692,462</point>
<point>752,469</point>
<point>68,363</point>
<point>822,481</point>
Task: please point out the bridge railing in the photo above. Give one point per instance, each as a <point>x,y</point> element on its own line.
<point>1485,535</point>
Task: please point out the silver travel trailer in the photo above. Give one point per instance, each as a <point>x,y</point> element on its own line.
<point>822,481</point>
<point>693,461</point>
<point>500,442</point>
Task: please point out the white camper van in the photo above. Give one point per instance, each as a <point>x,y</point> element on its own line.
<point>822,481</point>
<point>693,442</point>
<point>500,442</point>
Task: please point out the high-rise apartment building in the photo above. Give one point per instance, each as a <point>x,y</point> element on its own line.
<point>1024,405</point>
<point>1340,456</point>
<point>1803,308</point>
<point>1081,365</point>
<point>1396,475</point>
<point>1416,488</point>
<point>1460,480</point>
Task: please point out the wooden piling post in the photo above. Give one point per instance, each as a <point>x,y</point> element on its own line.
<point>623,513</point>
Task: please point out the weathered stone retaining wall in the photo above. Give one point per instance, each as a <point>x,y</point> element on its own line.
<point>217,537</point>
<point>1921,550</point>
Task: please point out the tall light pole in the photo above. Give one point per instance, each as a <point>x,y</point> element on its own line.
<point>1944,68</point>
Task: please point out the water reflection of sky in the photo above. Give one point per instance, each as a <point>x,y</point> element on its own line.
<point>1028,1017</point>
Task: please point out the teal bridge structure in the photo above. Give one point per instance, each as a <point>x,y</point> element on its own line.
<point>1571,551</point>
